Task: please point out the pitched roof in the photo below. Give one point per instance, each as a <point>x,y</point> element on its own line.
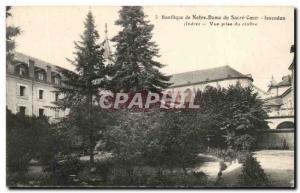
<point>277,100</point>
<point>274,101</point>
<point>37,62</point>
<point>286,92</point>
<point>286,81</point>
<point>207,75</point>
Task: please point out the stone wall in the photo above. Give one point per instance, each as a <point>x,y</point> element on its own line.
<point>277,139</point>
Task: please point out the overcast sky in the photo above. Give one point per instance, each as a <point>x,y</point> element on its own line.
<point>48,33</point>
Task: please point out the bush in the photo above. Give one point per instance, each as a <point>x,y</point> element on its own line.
<point>63,172</point>
<point>23,135</point>
<point>252,174</point>
<point>244,142</point>
<point>149,176</point>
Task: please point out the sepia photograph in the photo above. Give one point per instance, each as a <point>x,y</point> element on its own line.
<point>150,97</point>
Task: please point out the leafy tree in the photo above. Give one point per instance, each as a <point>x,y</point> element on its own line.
<point>11,33</point>
<point>164,141</point>
<point>252,174</point>
<point>135,68</point>
<point>147,146</point>
<point>127,139</point>
<point>234,112</point>
<point>80,88</point>
<point>177,140</point>
<point>28,138</point>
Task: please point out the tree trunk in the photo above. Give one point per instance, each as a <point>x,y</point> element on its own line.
<point>91,132</point>
<point>91,148</point>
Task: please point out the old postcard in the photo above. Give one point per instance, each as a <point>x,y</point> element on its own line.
<point>150,97</point>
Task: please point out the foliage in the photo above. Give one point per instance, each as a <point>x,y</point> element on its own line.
<point>135,68</point>
<point>28,138</point>
<point>147,176</point>
<point>176,141</point>
<point>11,33</point>
<point>244,142</point>
<point>236,113</point>
<point>63,170</point>
<point>128,139</point>
<point>23,135</point>
<point>167,140</point>
<point>252,174</point>
<point>79,90</point>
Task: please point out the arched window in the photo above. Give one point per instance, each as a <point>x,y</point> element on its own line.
<point>286,125</point>
<point>21,70</point>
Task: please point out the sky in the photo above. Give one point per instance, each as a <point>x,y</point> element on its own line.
<point>48,33</point>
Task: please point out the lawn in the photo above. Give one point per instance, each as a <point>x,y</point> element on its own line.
<point>277,164</point>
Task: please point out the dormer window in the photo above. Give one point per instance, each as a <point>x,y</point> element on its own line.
<point>21,70</point>
<point>56,80</point>
<point>41,76</point>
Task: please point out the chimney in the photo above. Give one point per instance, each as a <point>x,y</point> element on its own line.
<point>31,69</point>
<point>272,82</point>
<point>49,78</point>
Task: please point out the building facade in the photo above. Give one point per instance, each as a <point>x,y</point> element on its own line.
<point>31,82</point>
<point>30,87</point>
<point>222,77</point>
<point>280,102</point>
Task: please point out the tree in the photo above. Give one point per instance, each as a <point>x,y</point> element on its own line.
<point>11,33</point>
<point>252,174</point>
<point>127,139</point>
<point>164,142</point>
<point>176,141</point>
<point>79,89</point>
<point>235,112</point>
<point>135,68</point>
<point>23,135</point>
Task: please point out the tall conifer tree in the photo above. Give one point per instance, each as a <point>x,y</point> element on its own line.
<point>135,67</point>
<point>11,33</point>
<point>80,88</point>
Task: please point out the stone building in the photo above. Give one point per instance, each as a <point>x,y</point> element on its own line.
<point>280,105</point>
<point>30,83</point>
<point>280,101</point>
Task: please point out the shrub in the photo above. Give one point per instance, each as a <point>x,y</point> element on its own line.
<point>252,174</point>
<point>149,176</point>
<point>244,142</point>
<point>23,135</point>
<point>62,171</point>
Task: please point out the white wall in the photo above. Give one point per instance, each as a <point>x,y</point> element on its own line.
<point>31,101</point>
<point>222,84</point>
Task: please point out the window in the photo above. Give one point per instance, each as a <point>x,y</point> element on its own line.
<point>22,71</point>
<point>56,80</point>
<point>56,96</point>
<point>22,110</point>
<point>41,112</point>
<point>41,94</point>
<point>41,76</point>
<point>22,90</point>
